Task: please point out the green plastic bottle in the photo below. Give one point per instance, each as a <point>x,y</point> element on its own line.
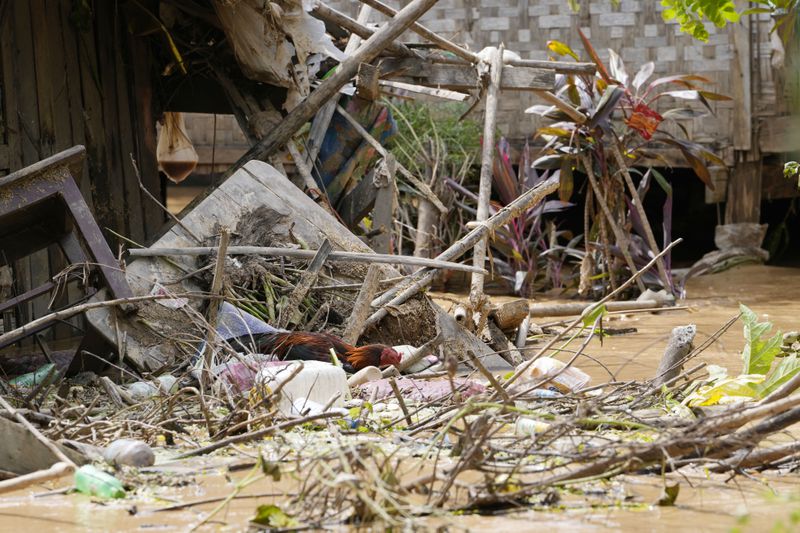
<point>94,482</point>
<point>31,379</point>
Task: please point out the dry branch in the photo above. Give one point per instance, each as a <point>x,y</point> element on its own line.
<point>424,277</point>
<point>343,257</point>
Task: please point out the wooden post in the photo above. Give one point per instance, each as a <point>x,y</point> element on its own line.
<point>383,212</point>
<point>744,193</point>
<point>355,324</point>
<point>485,190</point>
<point>329,88</point>
<point>214,305</point>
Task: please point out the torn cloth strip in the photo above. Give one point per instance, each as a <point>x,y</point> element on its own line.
<point>345,156</point>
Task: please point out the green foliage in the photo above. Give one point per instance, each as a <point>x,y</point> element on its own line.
<point>760,376</point>
<point>792,169</point>
<point>758,352</point>
<point>691,14</point>
<point>455,140</point>
<point>274,517</point>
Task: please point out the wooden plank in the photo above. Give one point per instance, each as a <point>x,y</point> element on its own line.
<point>114,201</point>
<point>383,212</point>
<point>11,134</point>
<point>55,76</point>
<point>145,128</point>
<point>358,202</point>
<point>93,127</point>
<point>779,134</point>
<point>744,193</point>
<point>27,111</point>
<point>741,81</point>
<point>75,97</point>
<point>464,77</point>
<point>125,101</point>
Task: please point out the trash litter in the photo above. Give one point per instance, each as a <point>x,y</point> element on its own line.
<point>564,379</point>
<point>92,481</point>
<point>420,390</point>
<point>316,382</point>
<point>32,379</point>
<point>129,452</point>
<point>530,427</point>
<point>425,363</point>
<point>365,375</point>
<point>175,152</point>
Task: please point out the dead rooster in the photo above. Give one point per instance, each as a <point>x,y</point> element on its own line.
<point>317,347</point>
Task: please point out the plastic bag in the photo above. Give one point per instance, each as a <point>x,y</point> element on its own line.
<point>175,153</point>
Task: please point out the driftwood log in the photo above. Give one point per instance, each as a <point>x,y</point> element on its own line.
<point>678,347</point>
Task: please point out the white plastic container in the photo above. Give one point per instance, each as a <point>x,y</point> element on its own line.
<point>317,382</point>
<point>529,427</point>
<point>570,380</point>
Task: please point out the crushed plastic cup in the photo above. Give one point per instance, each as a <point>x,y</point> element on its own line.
<point>570,380</point>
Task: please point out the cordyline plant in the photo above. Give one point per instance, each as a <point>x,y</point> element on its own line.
<point>603,125</point>
<point>526,251</point>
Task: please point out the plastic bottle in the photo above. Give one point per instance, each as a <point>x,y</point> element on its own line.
<point>94,482</point>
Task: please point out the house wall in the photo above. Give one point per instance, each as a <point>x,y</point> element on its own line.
<point>67,77</point>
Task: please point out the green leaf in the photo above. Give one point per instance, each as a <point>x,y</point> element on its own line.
<point>785,370</point>
<point>758,353</point>
<point>669,495</point>
<point>740,387</point>
<point>273,516</point>
<point>591,318</point>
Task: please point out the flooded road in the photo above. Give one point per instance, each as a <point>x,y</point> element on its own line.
<point>706,502</point>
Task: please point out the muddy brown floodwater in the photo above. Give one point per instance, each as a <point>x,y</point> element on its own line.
<point>706,502</point>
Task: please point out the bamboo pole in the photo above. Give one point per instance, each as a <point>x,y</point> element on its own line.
<point>342,257</point>
<point>476,298</point>
<point>618,233</point>
<point>637,203</point>
<point>400,293</point>
<point>306,109</point>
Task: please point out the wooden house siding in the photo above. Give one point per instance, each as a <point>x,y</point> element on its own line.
<point>71,77</point>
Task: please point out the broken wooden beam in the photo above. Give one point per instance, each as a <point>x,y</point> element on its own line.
<point>562,67</point>
<point>343,257</point>
<point>355,324</point>
<point>577,308</point>
<point>326,13</point>
<point>463,76</point>
<point>329,88</point>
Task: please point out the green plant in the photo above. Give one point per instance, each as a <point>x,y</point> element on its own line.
<point>605,124</point>
<point>764,369</point>
<point>792,169</point>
